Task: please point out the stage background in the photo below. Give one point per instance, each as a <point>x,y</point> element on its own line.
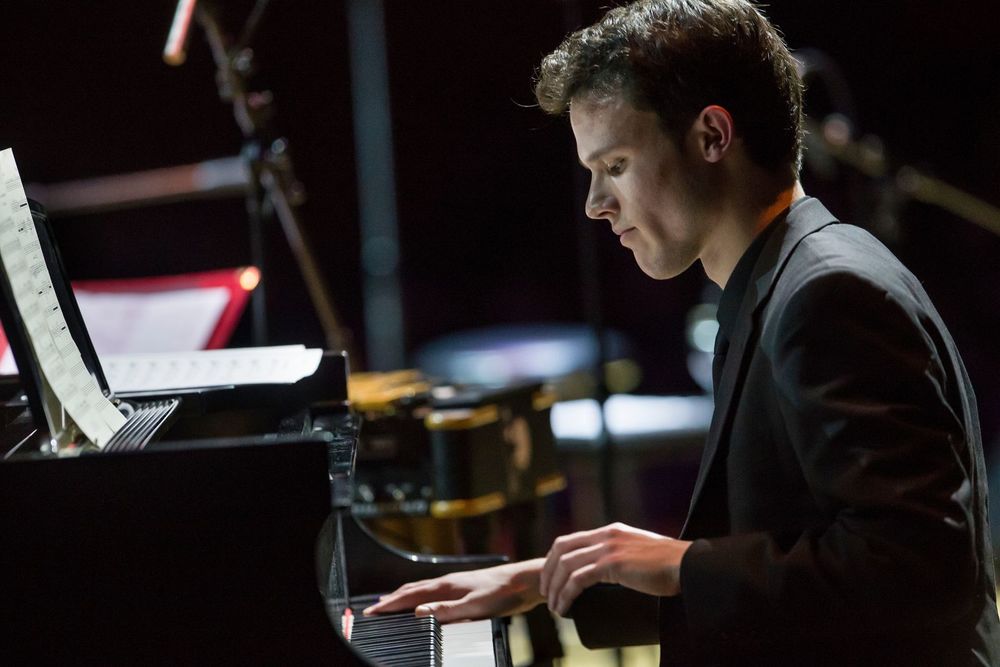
<point>489,214</point>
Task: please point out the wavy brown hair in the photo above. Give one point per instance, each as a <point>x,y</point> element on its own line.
<point>676,57</point>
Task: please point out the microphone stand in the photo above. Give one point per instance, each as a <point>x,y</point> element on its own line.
<point>834,137</point>
<point>272,187</point>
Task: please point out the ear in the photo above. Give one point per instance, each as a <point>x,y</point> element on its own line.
<point>715,132</point>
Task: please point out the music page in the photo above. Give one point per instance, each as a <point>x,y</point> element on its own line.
<point>53,345</point>
<point>279,364</point>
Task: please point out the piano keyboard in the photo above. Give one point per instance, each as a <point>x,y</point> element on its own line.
<point>399,640</point>
<point>403,640</point>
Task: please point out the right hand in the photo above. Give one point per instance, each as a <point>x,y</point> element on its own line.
<point>503,590</point>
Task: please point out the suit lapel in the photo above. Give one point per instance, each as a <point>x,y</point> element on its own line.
<point>805,218</point>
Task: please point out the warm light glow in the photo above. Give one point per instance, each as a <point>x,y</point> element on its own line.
<point>249,278</point>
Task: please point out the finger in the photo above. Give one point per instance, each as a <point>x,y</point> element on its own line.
<point>560,546</point>
<point>446,611</point>
<point>567,564</point>
<point>586,576</point>
<point>390,601</point>
<point>407,597</point>
<point>408,588</point>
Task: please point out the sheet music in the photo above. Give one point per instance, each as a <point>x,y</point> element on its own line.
<point>172,321</point>
<point>128,322</point>
<point>54,347</point>
<point>282,364</point>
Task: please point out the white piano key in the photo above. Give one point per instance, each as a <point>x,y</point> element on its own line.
<point>468,644</point>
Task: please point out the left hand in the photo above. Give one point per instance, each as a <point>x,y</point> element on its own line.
<point>502,590</point>
<point>614,554</point>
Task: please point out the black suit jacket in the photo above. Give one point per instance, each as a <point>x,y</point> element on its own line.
<point>839,514</point>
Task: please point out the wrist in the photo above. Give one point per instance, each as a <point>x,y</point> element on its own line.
<point>679,574</point>
<point>529,575</point>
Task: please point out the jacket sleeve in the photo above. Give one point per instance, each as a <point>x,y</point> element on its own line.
<point>862,388</point>
<point>608,615</point>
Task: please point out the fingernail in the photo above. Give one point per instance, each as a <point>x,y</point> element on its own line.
<point>423,610</point>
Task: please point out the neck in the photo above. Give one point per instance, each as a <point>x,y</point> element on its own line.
<point>784,199</point>
<point>747,218</point>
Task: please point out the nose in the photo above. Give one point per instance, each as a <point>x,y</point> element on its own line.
<point>601,204</point>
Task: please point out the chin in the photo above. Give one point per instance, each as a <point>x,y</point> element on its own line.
<point>658,270</point>
<point>658,273</point>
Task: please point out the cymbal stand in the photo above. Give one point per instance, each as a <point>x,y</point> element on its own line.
<point>273,187</point>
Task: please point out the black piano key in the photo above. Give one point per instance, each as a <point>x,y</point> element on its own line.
<point>386,622</point>
<point>414,643</point>
<point>391,627</point>
<point>378,631</point>
<point>416,656</point>
<point>399,640</point>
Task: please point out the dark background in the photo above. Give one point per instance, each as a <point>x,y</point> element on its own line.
<point>489,213</point>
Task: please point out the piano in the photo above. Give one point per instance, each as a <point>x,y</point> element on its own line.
<point>238,549</point>
<point>225,551</point>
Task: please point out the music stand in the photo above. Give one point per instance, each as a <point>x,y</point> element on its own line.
<point>55,431</point>
<point>273,187</point>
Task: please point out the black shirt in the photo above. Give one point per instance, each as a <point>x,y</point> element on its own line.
<point>735,291</point>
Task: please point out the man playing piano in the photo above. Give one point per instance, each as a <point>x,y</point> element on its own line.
<point>839,516</point>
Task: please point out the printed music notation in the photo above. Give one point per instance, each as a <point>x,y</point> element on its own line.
<point>280,364</point>
<point>170,321</point>
<point>55,350</point>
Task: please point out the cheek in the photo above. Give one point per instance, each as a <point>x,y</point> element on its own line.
<point>642,198</point>
<point>659,214</point>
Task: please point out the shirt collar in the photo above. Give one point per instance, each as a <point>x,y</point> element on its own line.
<point>739,281</point>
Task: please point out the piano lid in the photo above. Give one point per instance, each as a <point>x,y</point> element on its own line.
<point>187,553</point>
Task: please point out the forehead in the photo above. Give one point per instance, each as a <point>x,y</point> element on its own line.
<point>604,125</point>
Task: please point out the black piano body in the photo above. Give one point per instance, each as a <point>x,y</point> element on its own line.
<point>188,553</point>
<point>204,552</point>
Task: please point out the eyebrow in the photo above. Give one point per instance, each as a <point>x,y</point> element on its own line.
<point>600,152</point>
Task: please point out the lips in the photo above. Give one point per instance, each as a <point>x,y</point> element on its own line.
<point>623,234</point>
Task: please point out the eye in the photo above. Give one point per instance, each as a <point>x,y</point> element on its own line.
<point>617,167</point>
